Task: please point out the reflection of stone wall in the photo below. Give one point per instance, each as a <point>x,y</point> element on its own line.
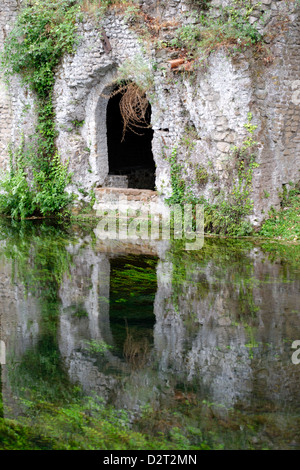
<point>19,325</point>
<point>204,334</point>
<point>85,293</point>
<point>193,334</point>
<point>223,322</point>
<point>85,317</point>
<point>19,314</point>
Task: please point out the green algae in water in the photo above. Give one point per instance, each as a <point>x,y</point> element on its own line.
<point>187,351</point>
<point>133,287</point>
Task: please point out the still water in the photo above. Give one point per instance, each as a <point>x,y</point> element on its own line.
<point>193,343</point>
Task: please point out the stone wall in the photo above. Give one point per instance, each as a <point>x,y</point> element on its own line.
<point>208,108</point>
<point>17,113</point>
<point>8,11</point>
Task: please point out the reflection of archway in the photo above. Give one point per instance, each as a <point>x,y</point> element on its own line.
<point>132,156</point>
<point>133,315</point>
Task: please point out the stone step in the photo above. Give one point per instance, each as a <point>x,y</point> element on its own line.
<point>122,199</point>
<point>138,195</point>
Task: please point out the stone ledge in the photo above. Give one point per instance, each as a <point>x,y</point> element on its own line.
<point>144,195</point>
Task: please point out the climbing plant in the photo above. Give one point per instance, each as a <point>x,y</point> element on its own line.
<point>228,215</point>
<point>43,32</point>
<point>217,26</point>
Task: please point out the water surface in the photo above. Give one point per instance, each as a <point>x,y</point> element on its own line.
<point>195,341</point>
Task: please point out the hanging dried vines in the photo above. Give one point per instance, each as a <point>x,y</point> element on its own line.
<point>133,108</point>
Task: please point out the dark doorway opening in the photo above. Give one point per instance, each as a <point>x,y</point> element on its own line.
<point>132,156</point>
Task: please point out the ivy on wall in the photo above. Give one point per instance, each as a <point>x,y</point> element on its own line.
<point>43,32</point>
<point>228,215</point>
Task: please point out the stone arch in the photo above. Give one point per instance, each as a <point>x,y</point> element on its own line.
<point>123,163</point>
<point>100,132</point>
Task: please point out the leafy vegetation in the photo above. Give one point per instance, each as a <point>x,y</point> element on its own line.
<point>285,222</point>
<point>220,26</point>
<point>37,180</point>
<point>178,184</point>
<point>16,197</point>
<point>139,70</point>
<point>102,5</point>
<point>228,215</point>
<point>201,175</point>
<point>45,194</point>
<point>85,424</point>
<point>99,347</point>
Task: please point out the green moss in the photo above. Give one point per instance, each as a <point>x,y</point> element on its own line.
<point>201,175</point>
<point>82,425</point>
<point>285,222</point>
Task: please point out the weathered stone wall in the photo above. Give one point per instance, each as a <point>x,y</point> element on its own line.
<point>17,112</point>
<point>8,11</point>
<point>208,108</point>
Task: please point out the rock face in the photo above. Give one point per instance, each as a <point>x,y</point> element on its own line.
<point>202,112</point>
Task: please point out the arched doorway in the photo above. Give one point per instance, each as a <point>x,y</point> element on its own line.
<point>130,154</point>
